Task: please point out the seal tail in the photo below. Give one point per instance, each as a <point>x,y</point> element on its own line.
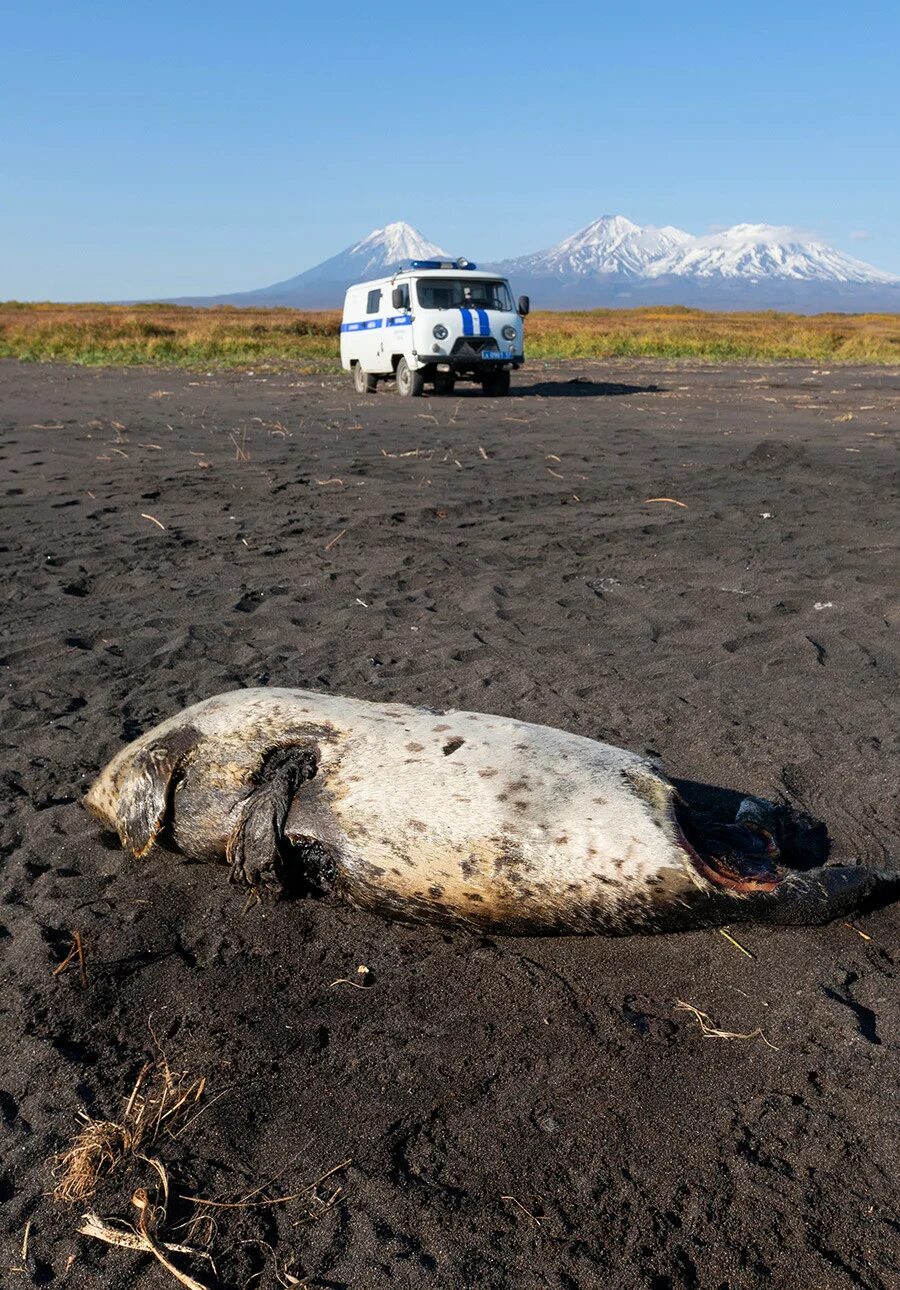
<point>831,891</point>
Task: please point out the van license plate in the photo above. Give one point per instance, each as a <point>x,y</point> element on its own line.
<point>496,353</point>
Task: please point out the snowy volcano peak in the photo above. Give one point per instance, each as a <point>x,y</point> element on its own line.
<point>611,244</point>
<point>608,230</point>
<point>323,286</point>
<point>385,247</point>
<point>763,252</point>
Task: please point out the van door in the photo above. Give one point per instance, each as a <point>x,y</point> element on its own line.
<point>372,347</point>
<point>398,323</point>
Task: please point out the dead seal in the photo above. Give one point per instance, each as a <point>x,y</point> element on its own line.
<point>453,817</point>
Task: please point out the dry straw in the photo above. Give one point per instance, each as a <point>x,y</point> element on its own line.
<point>711,1031</point>
<point>160,1102</point>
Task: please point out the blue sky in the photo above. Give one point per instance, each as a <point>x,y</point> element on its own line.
<point>173,148</point>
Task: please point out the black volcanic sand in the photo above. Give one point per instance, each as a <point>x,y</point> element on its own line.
<point>517,1113</point>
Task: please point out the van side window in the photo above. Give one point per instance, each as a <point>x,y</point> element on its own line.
<point>373,301</point>
<point>404,287</point>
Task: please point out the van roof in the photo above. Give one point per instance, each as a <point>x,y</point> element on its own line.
<point>427,273</point>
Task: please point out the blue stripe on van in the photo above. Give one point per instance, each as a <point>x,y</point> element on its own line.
<point>399,320</point>
<point>370,324</point>
<point>468,322</point>
<point>483,322</point>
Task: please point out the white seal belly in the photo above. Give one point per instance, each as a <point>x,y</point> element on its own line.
<point>457,817</point>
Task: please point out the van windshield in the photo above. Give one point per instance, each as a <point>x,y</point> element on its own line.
<point>463,293</point>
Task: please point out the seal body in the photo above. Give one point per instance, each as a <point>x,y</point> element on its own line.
<point>452,817</point>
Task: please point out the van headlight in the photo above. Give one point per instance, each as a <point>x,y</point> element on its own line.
<point>509,332</point>
<point>439,331</point>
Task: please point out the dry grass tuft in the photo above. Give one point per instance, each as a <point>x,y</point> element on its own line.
<point>160,1103</point>
<point>162,1106</point>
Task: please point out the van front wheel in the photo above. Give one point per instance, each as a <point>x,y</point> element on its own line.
<point>409,383</point>
<point>496,384</point>
<point>364,382</point>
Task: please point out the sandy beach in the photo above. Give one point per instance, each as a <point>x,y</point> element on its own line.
<point>497,1112</point>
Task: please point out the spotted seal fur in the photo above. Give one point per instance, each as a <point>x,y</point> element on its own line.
<point>451,817</point>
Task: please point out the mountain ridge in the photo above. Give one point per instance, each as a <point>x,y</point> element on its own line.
<point>614,262</point>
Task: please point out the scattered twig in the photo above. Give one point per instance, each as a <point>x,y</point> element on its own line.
<point>284,1278</point>
<point>247,1202</point>
<point>141,1203</point>
<point>335,480</point>
<point>673,500</point>
<point>737,945</point>
<point>865,935</point>
<point>362,971</point>
<point>240,451</point>
<point>129,1239</point>
<point>153,520</point>
<point>534,1218</point>
<point>711,1031</point>
<point>337,537</point>
<point>76,951</point>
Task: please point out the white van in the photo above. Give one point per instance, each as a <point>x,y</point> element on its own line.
<point>435,321</point>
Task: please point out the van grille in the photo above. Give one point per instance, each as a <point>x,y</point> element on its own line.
<point>471,346</point>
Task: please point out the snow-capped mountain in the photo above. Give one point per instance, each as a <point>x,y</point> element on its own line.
<point>613,262</point>
<point>611,244</point>
<point>323,286</point>
<point>750,266</point>
<point>759,251</point>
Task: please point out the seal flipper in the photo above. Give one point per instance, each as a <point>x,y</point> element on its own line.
<point>820,895</point>
<point>257,848</point>
<point>145,794</point>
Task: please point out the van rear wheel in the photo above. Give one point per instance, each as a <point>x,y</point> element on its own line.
<point>496,384</point>
<point>409,383</point>
<point>364,382</point>
<point>444,384</point>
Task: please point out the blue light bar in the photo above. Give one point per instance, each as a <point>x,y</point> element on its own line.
<point>436,264</point>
